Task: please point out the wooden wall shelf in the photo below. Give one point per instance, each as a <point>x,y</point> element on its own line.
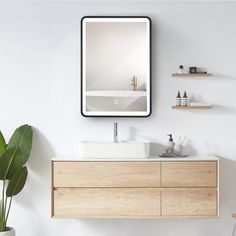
<point>190,107</point>
<point>191,75</point>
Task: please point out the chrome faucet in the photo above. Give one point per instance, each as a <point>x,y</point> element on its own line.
<point>134,83</point>
<point>115,130</point>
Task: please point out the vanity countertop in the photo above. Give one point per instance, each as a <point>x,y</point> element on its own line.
<point>152,158</point>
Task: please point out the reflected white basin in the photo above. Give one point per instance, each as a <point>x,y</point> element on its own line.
<point>116,93</point>
<point>115,150</point>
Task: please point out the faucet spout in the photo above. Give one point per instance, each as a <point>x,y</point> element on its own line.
<point>115,130</point>
<point>134,83</point>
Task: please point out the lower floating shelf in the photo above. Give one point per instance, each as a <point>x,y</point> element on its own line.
<point>192,75</point>
<point>191,107</point>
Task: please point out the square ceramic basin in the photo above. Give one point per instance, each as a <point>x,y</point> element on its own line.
<point>115,150</point>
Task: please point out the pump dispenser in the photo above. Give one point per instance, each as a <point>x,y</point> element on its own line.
<point>170,145</point>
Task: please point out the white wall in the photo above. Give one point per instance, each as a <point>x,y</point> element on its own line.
<point>39,75</point>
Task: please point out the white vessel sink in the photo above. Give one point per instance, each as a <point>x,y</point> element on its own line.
<point>116,93</point>
<point>115,150</point>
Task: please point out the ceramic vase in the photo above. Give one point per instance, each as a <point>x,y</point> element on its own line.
<point>10,232</point>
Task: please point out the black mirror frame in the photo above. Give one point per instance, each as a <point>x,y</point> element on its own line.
<point>81,66</point>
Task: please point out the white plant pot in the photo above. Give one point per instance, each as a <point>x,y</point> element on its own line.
<point>10,232</point>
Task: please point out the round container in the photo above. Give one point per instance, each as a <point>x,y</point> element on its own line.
<point>178,149</point>
<point>10,232</point>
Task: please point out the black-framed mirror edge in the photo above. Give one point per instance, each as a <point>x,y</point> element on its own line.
<point>81,68</point>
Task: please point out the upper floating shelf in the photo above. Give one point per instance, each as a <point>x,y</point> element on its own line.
<point>116,93</point>
<point>192,75</point>
<point>192,107</point>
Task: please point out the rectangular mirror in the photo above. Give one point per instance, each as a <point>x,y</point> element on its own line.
<point>116,66</point>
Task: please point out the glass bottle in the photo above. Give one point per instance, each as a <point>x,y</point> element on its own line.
<point>185,100</point>
<point>178,99</point>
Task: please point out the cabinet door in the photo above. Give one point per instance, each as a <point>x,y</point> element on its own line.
<point>189,174</point>
<point>106,174</point>
<point>189,202</point>
<point>106,202</point>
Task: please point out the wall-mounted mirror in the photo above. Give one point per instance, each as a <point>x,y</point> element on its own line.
<point>116,66</point>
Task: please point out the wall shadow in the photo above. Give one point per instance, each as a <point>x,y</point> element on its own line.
<point>156,149</point>
<point>227,189</point>
<point>35,197</point>
<point>224,77</point>
<point>214,110</point>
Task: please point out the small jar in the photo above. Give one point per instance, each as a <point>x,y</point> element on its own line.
<point>181,69</point>
<point>178,149</point>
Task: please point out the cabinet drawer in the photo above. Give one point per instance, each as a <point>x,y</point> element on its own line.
<point>106,202</point>
<point>189,174</point>
<point>106,174</point>
<point>189,202</point>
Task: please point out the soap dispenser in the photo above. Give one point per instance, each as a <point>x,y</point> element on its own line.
<point>170,145</point>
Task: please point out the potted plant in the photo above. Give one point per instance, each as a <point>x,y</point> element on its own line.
<point>13,172</point>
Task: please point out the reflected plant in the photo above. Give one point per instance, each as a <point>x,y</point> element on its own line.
<point>13,172</point>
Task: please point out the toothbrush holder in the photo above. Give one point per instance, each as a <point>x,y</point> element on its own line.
<point>178,149</point>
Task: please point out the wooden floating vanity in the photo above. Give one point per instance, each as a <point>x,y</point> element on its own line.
<point>142,188</point>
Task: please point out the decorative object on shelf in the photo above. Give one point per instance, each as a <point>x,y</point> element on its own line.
<point>181,69</point>
<point>178,99</point>
<point>183,103</point>
<point>13,172</point>
<point>192,69</point>
<point>196,70</point>
<point>185,100</point>
<point>201,72</point>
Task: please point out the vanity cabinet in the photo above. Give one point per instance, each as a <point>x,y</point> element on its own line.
<point>134,189</point>
<point>106,174</point>
<point>189,174</point>
<point>190,188</point>
<point>189,202</point>
<point>107,202</point>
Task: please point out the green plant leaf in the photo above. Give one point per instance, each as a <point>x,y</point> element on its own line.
<point>3,145</point>
<point>22,138</point>
<point>17,182</point>
<point>1,211</point>
<point>10,162</point>
<point>2,219</point>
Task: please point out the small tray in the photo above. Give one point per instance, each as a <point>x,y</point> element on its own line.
<point>166,155</point>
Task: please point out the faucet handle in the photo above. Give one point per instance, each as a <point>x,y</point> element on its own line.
<point>115,132</point>
<point>134,79</point>
<point>115,124</point>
